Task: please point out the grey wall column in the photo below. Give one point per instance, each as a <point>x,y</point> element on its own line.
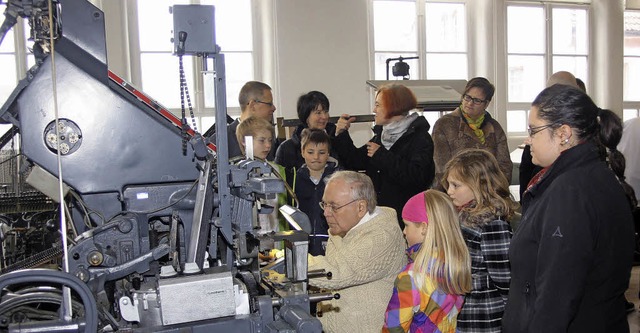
<point>486,49</point>
<point>607,50</point>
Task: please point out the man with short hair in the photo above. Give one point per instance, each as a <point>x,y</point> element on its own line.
<point>256,100</point>
<point>562,77</point>
<point>364,253</point>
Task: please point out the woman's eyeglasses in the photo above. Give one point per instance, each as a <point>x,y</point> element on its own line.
<point>534,130</point>
<point>475,101</point>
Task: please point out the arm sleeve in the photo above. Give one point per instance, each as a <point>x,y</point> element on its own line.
<point>526,169</point>
<point>502,152</point>
<point>494,246</point>
<point>350,157</point>
<point>285,154</point>
<point>405,297</point>
<point>358,263</point>
<point>441,150</point>
<point>564,256</point>
<point>417,170</point>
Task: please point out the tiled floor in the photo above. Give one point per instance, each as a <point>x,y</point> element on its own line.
<point>632,296</point>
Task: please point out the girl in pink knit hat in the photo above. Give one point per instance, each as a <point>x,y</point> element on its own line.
<point>429,292</point>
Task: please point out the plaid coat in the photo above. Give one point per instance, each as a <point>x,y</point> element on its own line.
<point>489,249</point>
<point>418,311</point>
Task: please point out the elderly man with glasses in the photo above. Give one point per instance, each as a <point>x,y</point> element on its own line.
<point>364,253</point>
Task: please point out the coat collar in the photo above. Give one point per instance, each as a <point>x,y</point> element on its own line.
<point>570,159</point>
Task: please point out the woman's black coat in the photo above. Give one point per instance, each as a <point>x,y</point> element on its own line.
<point>572,252</point>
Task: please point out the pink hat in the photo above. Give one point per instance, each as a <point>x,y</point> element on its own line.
<point>415,210</point>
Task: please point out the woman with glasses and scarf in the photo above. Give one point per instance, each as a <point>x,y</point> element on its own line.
<point>399,157</point>
<point>471,126</point>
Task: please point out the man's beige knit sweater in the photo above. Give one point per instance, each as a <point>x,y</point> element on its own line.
<point>364,265</point>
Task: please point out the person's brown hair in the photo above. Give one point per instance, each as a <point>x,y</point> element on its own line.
<point>479,169</point>
<point>396,99</point>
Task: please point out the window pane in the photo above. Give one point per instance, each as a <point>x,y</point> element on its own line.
<point>164,85</point>
<point>233,24</point>
<point>394,24</point>
<point>446,27</point>
<point>569,31</point>
<point>446,66</point>
<point>517,121</point>
<point>631,79</point>
<point>629,114</point>
<point>206,123</point>
<point>432,117</point>
<point>381,65</point>
<point>526,77</point>
<point>631,33</point>
<point>8,70</point>
<point>239,69</point>
<point>155,24</point>
<point>525,29</point>
<point>7,42</point>
<point>575,65</point>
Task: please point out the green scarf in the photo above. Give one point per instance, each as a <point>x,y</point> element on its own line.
<point>475,125</point>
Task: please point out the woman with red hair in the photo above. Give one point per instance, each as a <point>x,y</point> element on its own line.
<point>399,157</point>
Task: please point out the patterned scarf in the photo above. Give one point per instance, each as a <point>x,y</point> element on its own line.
<point>536,179</point>
<point>393,131</point>
<point>475,124</point>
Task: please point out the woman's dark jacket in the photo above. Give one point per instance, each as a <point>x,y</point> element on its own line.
<point>398,173</point>
<point>309,197</point>
<point>289,153</point>
<point>572,252</point>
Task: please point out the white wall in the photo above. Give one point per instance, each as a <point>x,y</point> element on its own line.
<point>323,45</point>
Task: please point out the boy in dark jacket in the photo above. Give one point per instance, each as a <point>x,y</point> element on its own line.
<point>309,182</point>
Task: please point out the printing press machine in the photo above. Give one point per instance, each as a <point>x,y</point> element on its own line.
<point>142,224</point>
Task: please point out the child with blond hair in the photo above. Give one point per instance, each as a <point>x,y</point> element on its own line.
<point>480,192</point>
<point>429,292</point>
<point>261,133</point>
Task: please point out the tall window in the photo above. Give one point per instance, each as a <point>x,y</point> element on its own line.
<point>541,40</point>
<point>434,31</point>
<point>15,59</point>
<point>631,93</point>
<point>159,68</point>
<point>7,63</point>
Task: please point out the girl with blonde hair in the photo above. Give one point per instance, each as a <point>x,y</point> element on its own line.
<point>429,292</point>
<point>480,192</point>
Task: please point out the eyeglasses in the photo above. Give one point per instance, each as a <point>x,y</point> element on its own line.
<point>332,208</point>
<point>265,103</point>
<point>534,130</point>
<point>475,101</point>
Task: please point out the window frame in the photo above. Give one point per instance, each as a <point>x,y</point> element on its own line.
<point>631,108</point>
<point>204,115</point>
<point>421,35</point>
<point>548,54</point>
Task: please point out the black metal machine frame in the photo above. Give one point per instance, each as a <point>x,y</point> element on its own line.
<point>166,239</point>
